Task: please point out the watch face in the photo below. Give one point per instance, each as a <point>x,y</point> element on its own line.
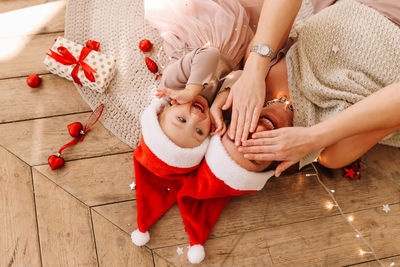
<point>264,50</point>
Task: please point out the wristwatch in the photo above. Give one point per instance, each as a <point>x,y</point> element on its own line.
<point>263,50</point>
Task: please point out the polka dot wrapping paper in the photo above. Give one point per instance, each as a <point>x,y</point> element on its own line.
<point>104,65</point>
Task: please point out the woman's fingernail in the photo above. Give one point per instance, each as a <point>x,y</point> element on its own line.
<point>240,149</point>
<point>252,130</point>
<point>237,143</point>
<point>246,156</point>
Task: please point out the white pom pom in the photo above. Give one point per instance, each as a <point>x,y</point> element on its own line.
<point>139,238</point>
<point>196,254</point>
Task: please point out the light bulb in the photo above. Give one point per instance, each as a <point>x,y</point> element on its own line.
<point>329,206</point>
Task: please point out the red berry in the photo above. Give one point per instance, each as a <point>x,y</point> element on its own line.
<point>33,80</point>
<point>151,65</point>
<point>145,45</point>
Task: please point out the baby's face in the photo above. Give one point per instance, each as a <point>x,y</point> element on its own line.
<point>187,125</point>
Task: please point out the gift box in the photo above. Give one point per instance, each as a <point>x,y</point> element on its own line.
<point>83,65</point>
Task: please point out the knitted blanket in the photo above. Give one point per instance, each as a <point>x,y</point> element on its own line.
<point>344,53</point>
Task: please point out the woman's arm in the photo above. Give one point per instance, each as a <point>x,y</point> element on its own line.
<point>248,93</point>
<point>377,112</point>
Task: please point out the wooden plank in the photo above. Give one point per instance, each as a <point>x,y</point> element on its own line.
<point>244,249</point>
<point>37,16</point>
<point>96,181</point>
<point>55,96</point>
<point>65,229</point>
<point>121,214</point>
<point>124,215</point>
<point>289,199</point>
<point>321,242</point>
<point>115,248</point>
<point>34,141</point>
<point>161,262</point>
<point>19,245</point>
<point>332,242</point>
<point>24,55</point>
<point>7,6</point>
<point>387,262</point>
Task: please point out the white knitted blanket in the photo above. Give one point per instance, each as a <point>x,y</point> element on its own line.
<point>343,54</point>
<point>119,26</point>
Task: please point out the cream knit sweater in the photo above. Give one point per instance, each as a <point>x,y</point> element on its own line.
<point>343,54</point>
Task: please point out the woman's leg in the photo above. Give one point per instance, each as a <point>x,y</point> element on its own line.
<point>350,149</point>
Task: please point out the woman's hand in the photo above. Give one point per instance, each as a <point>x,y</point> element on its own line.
<point>246,98</point>
<point>289,145</point>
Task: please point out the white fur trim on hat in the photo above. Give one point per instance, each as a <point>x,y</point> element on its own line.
<point>196,254</point>
<point>226,169</point>
<point>139,238</point>
<point>162,146</point>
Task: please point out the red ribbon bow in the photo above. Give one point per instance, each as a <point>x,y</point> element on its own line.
<point>66,58</point>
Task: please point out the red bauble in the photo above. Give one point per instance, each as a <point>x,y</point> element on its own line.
<point>145,45</point>
<point>75,129</point>
<point>33,80</point>
<point>55,162</point>
<point>151,65</point>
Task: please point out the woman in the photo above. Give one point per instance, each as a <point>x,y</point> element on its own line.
<point>368,113</point>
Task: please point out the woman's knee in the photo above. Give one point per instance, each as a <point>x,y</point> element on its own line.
<point>331,161</point>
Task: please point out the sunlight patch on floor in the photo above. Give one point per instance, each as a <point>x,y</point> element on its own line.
<point>16,26</point>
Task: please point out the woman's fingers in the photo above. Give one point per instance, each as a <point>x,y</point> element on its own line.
<point>257,149</point>
<point>246,129</point>
<point>262,157</point>
<point>239,126</point>
<point>265,134</point>
<point>259,142</point>
<point>255,118</point>
<point>282,167</point>
<point>234,118</point>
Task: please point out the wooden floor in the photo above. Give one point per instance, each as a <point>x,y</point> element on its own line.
<point>83,214</point>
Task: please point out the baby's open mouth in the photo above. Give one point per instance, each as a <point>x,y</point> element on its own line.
<point>267,123</point>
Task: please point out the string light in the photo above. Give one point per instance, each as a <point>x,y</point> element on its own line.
<point>349,219</point>
<point>330,205</point>
<point>362,252</point>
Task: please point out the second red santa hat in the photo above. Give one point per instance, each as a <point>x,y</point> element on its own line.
<point>206,192</point>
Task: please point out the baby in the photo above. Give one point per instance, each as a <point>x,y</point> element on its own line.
<point>175,133</point>
<point>191,84</point>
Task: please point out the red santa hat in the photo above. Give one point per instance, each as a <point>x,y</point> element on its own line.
<point>160,168</point>
<point>206,192</point>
